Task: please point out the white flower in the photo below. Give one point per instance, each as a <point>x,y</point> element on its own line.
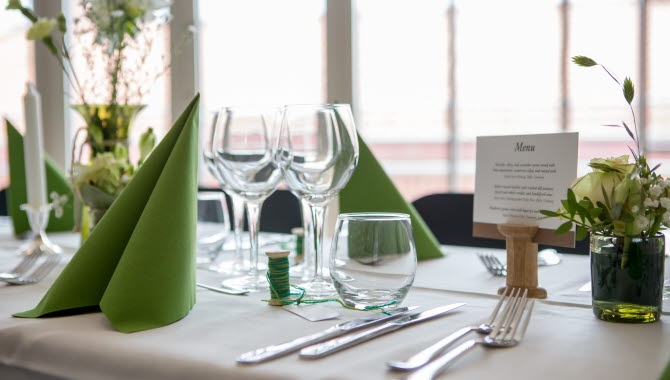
<point>666,182</point>
<point>644,181</point>
<point>665,203</point>
<point>650,203</point>
<point>634,209</point>
<point>655,191</point>
<point>666,217</point>
<point>641,221</point>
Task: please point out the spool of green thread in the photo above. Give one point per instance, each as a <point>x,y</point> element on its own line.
<point>278,277</point>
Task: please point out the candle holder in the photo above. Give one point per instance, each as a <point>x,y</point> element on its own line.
<point>38,218</point>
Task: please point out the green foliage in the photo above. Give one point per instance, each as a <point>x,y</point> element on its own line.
<point>583,61</point>
<point>628,90</point>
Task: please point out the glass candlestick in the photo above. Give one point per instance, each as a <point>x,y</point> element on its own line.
<point>38,219</point>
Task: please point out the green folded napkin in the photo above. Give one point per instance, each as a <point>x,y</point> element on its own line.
<point>16,195</point>
<point>666,373</point>
<point>138,263</point>
<point>371,190</point>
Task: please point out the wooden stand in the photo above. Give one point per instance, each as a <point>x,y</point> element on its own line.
<point>521,259</point>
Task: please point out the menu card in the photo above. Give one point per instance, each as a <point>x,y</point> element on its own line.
<point>517,176</point>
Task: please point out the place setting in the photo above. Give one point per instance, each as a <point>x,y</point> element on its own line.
<point>249,238</point>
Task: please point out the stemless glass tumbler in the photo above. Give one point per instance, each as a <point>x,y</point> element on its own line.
<point>244,147</point>
<point>317,150</point>
<point>373,259</point>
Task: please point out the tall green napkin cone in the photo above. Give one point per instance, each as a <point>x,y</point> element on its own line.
<point>16,195</point>
<point>138,263</point>
<point>371,190</point>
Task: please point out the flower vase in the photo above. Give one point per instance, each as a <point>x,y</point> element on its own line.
<point>627,278</point>
<point>107,129</point>
<point>107,124</point>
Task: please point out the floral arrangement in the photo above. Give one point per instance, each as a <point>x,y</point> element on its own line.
<point>619,197</point>
<point>116,39</point>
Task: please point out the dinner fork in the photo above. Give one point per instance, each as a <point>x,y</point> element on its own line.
<point>508,333</point>
<point>426,355</point>
<point>493,265</point>
<point>39,273</point>
<point>24,266</point>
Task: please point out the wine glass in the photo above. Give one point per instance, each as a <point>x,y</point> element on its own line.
<point>243,147</point>
<point>237,266</point>
<point>317,150</point>
<point>373,258</point>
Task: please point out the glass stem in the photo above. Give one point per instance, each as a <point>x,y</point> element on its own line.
<point>308,242</point>
<point>254,220</point>
<point>238,220</point>
<point>318,216</point>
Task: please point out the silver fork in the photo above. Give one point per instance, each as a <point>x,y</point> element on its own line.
<point>39,273</point>
<point>493,265</point>
<point>24,266</point>
<point>508,333</point>
<point>424,356</point>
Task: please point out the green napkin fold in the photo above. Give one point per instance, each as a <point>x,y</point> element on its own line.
<point>138,263</point>
<point>16,195</point>
<point>371,190</point>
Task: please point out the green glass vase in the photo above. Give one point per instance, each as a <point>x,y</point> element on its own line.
<point>107,124</point>
<point>627,278</point>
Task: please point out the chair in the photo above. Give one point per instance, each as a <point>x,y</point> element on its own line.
<point>449,216</point>
<point>280,212</point>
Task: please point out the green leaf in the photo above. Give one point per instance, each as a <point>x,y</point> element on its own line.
<point>604,168</point>
<point>581,233</point>
<point>62,23</point>
<point>572,200</point>
<point>628,130</point>
<point>563,228</point>
<point>627,217</point>
<point>616,210</point>
<point>607,199</point>
<point>628,90</point>
<point>551,214</point>
<point>595,212</point>
<point>568,208</point>
<point>147,143</point>
<point>655,167</point>
<point>583,61</point>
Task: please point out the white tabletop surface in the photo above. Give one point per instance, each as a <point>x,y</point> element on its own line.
<point>564,339</point>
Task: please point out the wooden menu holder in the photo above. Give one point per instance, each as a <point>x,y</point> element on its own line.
<point>521,259</point>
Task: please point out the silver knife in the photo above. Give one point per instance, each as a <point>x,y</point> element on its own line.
<point>232,291</point>
<point>272,352</point>
<point>337,344</point>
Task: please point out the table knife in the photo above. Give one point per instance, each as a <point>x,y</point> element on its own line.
<point>272,352</point>
<point>338,344</point>
<point>226,290</point>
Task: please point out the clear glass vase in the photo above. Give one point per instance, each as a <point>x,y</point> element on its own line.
<point>627,278</point>
<point>107,127</point>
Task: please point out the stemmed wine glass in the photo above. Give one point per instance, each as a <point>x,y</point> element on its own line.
<point>243,147</point>
<point>237,202</point>
<point>317,150</point>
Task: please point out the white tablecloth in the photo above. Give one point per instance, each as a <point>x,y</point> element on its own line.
<point>564,340</point>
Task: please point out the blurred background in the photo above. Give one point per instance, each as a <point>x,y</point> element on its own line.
<point>424,77</point>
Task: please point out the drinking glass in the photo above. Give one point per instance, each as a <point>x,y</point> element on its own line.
<point>237,266</point>
<point>213,226</point>
<point>317,150</point>
<point>373,259</point>
<point>244,147</point>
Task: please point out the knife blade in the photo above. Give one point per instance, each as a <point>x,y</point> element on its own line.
<point>232,291</point>
<point>275,351</point>
<point>337,344</point>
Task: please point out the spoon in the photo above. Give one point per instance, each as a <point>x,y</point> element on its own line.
<point>547,257</point>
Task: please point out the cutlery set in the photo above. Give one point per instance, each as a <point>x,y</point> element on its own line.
<point>24,274</point>
<point>505,327</point>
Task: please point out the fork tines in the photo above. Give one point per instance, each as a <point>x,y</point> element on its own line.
<point>37,275</point>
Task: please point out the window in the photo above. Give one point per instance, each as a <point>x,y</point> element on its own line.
<point>17,68</point>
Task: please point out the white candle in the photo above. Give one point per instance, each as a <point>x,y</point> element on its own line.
<point>32,148</point>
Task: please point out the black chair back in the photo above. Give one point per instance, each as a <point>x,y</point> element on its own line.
<point>449,216</point>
